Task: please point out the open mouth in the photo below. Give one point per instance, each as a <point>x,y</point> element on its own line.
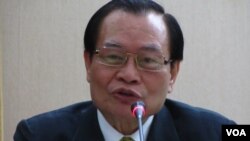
<point>126,94</point>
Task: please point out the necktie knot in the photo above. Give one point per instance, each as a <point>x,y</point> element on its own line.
<point>126,139</point>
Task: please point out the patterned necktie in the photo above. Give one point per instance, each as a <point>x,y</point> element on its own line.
<point>126,139</point>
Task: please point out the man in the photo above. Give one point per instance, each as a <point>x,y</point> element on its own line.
<point>133,51</point>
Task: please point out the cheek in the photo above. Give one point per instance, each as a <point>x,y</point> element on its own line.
<point>157,84</point>
<point>99,80</point>
<point>157,87</point>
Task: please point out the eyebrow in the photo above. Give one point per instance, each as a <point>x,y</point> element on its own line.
<point>146,47</point>
<point>112,44</point>
<point>152,47</point>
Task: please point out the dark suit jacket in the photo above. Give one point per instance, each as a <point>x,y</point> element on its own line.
<point>175,122</point>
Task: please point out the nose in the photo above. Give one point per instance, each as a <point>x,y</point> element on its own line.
<point>129,73</point>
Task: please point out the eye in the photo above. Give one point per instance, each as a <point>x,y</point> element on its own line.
<point>114,59</point>
<point>148,62</point>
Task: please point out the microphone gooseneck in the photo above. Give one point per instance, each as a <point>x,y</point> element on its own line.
<point>138,110</point>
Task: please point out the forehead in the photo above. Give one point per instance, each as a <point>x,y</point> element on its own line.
<point>129,29</point>
<point>126,20</point>
<point>147,26</point>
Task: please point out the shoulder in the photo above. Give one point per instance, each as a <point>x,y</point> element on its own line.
<point>206,124</point>
<point>71,112</point>
<point>182,110</point>
<point>63,121</point>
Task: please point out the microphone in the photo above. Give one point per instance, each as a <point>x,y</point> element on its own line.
<point>138,111</point>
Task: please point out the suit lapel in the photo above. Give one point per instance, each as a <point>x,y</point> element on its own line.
<point>89,129</point>
<point>163,128</point>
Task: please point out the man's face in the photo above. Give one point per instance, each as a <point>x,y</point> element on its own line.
<point>114,89</point>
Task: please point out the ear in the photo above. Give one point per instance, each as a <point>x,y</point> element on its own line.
<point>175,66</point>
<point>88,62</point>
<point>174,70</point>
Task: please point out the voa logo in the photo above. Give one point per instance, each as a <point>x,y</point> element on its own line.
<point>236,132</point>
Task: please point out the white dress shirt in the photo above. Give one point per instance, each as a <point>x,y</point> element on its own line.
<point>111,134</point>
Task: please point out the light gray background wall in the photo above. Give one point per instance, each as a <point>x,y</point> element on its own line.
<point>43,67</point>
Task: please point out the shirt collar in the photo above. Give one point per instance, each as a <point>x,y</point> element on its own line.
<point>111,134</point>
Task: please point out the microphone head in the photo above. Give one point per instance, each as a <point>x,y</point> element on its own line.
<point>138,109</point>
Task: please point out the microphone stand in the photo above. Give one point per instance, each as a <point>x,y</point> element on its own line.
<point>139,118</point>
<point>138,111</point>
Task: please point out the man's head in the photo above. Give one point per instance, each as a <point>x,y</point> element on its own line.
<point>132,52</point>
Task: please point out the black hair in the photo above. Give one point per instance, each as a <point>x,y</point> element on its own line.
<point>135,7</point>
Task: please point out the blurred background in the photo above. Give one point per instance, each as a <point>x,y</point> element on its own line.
<point>42,68</point>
